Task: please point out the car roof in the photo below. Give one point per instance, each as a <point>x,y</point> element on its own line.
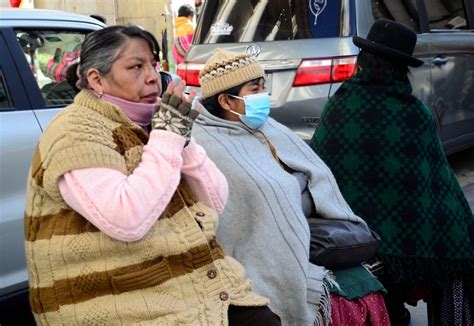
<point>22,17</point>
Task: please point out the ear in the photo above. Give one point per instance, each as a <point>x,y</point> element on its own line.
<point>95,80</point>
<point>224,101</point>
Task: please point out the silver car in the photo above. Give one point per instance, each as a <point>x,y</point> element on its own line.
<point>306,49</point>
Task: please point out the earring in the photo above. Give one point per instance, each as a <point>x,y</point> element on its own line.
<point>101,93</point>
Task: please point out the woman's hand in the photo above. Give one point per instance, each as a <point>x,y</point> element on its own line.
<point>174,113</point>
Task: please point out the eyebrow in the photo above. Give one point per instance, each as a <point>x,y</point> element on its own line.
<point>141,59</point>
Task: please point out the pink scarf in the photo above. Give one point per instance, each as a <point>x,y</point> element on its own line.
<point>140,113</point>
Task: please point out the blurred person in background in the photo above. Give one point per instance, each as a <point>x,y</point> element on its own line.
<point>183,23</point>
<point>184,33</point>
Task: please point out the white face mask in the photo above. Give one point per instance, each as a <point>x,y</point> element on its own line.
<point>257,109</point>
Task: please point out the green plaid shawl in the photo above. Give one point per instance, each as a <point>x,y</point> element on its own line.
<point>381,144</point>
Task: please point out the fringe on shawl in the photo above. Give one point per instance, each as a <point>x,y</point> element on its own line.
<point>411,271</point>
<point>324,313</point>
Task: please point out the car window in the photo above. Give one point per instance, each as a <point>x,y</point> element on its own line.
<point>225,21</point>
<point>442,14</point>
<point>5,101</point>
<point>446,14</point>
<point>402,11</point>
<point>49,54</point>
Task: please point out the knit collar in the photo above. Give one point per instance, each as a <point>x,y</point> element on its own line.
<point>86,98</point>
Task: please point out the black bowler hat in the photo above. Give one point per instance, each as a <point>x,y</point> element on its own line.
<point>390,39</point>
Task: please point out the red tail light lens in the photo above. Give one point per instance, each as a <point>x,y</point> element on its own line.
<point>343,68</point>
<point>190,73</point>
<point>312,72</point>
<point>322,71</point>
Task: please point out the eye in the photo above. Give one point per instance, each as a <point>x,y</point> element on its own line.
<point>137,66</point>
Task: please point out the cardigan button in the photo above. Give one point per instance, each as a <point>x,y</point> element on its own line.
<point>213,243</point>
<point>200,214</point>
<point>224,296</point>
<point>212,273</point>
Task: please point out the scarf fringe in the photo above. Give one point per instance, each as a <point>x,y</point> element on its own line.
<point>324,313</point>
<point>424,271</point>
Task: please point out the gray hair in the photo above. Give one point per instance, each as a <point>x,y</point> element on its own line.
<point>102,48</point>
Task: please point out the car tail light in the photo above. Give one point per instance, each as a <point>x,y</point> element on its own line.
<point>311,72</point>
<point>189,72</point>
<point>322,71</point>
<point>343,68</point>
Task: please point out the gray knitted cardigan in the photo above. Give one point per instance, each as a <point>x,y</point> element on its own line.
<point>263,225</point>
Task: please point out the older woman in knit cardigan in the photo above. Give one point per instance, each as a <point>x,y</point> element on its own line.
<point>276,181</point>
<point>121,207</point>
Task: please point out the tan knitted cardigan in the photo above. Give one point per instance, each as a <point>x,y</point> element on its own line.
<point>176,274</point>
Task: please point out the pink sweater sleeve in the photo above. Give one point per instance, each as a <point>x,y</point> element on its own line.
<point>206,181</point>
<point>126,207</point>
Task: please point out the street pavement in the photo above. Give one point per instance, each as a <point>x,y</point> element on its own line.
<point>463,166</point>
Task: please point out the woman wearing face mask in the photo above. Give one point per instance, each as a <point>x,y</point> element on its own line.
<point>275,183</point>
<point>122,205</point>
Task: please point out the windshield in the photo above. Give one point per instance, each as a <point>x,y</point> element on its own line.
<point>227,21</point>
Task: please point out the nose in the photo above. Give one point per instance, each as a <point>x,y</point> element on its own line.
<point>152,74</point>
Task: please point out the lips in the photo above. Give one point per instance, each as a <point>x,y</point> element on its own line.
<point>150,98</point>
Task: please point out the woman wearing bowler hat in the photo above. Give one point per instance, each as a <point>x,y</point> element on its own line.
<point>381,143</point>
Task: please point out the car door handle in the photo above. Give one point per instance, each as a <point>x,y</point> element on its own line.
<point>440,61</point>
